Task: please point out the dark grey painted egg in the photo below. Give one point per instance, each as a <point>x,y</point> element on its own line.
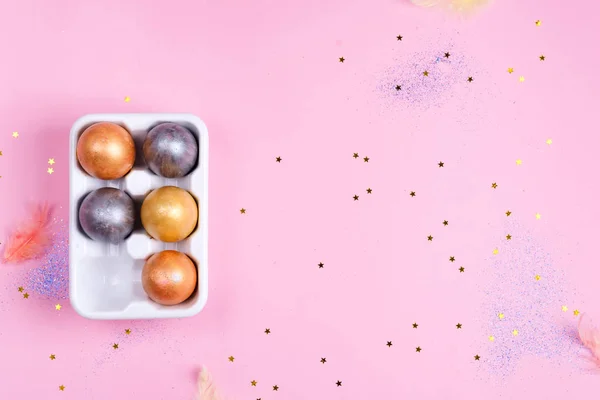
<point>107,215</point>
<point>170,150</point>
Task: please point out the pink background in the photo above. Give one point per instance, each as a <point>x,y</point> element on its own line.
<point>265,77</point>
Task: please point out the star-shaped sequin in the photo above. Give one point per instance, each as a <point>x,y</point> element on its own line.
<point>461,269</point>
<point>50,171</point>
<point>430,238</point>
<point>495,251</point>
<point>576,312</point>
<point>447,55</point>
<point>445,223</point>
<point>519,161</point>
<point>15,134</point>
<point>476,357</point>
<point>253,383</point>
<point>508,237</point>
<point>128,331</point>
<point>355,155</point>
<point>418,349</point>
<point>452,259</point>
<point>51,161</point>
<point>275,388</point>
<point>342,59</point>
<point>538,216</point>
<point>515,332</point>
<point>415,325</point>
<point>355,197</point>
<point>538,23</point>
<point>398,87</point>
<point>52,357</point>
<point>278,159</point>
<point>508,212</point>
<point>399,37</point>
<point>369,190</point>
<point>549,141</point>
<point>20,289</point>
<point>564,308</point>
<point>231,358</point>
<point>127,99</point>
<point>338,383</point>
<point>115,346</point>
<point>491,338</point>
<point>521,79</point>
<point>242,211</point>
<point>470,79</point>
<point>538,277</point>
<point>25,295</point>
<point>57,307</point>
<point>389,344</point>
<point>510,70</point>
<point>323,360</point>
<point>501,316</point>
<point>267,331</point>
<point>542,57</point>
<point>413,194</point>
<point>425,73</point>
<point>440,164</point>
<point>494,185</point>
<point>61,388</point>
<point>459,326</point>
<point>366,159</point>
<point>321,265</point>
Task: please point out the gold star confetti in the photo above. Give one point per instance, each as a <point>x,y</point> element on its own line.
<point>430,238</point>
<point>521,79</point>
<point>418,349</point>
<point>477,357</point>
<point>253,383</point>
<point>491,338</point>
<point>339,383</point>
<point>425,73</point>
<point>278,159</point>
<point>267,331</point>
<point>510,70</point>
<point>355,197</point>
<point>508,213</point>
<point>389,344</point>
<point>538,23</point>
<point>115,346</point>
<point>51,161</point>
<point>275,388</point>
<point>413,194</point>
<point>440,164</point>
<point>0,153</point>
<point>494,185</point>
<point>342,59</point>
<point>542,57</point>
<point>415,325</point>
<point>366,159</point>
<point>369,190</point>
<point>576,312</point>
<point>508,237</point>
<point>26,295</point>
<point>501,316</point>
<point>564,308</point>
<point>470,79</point>
<point>538,216</point>
<point>452,258</point>
<point>321,265</point>
<point>58,306</point>
<point>52,357</point>
<point>549,141</point>
<point>398,87</point>
<point>231,358</point>
<point>61,388</point>
<point>399,37</point>
<point>519,161</point>
<point>447,55</point>
<point>15,134</point>
<point>323,360</point>
<point>21,288</point>
<point>537,277</point>
<point>355,155</point>
<point>50,171</point>
<point>495,251</point>
<point>459,326</point>
<point>127,99</point>
<point>445,223</point>
<point>515,332</point>
<point>243,211</point>
<point>461,269</point>
<point>128,331</point>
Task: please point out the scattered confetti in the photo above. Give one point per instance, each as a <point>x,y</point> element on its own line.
<point>355,197</point>
<point>369,190</point>
<point>491,338</point>
<point>515,332</point>
<point>278,159</point>
<point>323,360</point>
<point>519,161</point>
<point>549,141</point>
<point>355,155</point>
<point>58,307</point>
<point>389,344</point>
<point>50,171</point>
<point>495,251</point>
<point>510,70</point>
<point>128,331</point>
<point>231,358</point>
<point>321,265</point>
<point>542,58</point>
<point>399,37</point>
<point>564,308</point>
<point>461,269</point>
<point>127,99</point>
<point>366,159</point>
<point>51,161</point>
<point>267,331</point>
<point>576,312</point>
<point>339,383</point>
<point>413,194</point>
<point>51,279</point>
<point>445,223</point>
<point>521,79</point>
<point>15,134</point>
<point>26,295</point>
<point>538,23</point>
<point>538,216</point>
<point>342,59</point>
<point>115,346</point>
<point>52,357</point>
<point>418,349</point>
<point>61,388</point>
<point>275,388</point>
<point>470,79</point>
<point>253,383</point>
<point>494,185</point>
<point>243,211</point>
<point>415,325</point>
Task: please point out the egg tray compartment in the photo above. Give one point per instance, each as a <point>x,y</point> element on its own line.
<point>105,280</point>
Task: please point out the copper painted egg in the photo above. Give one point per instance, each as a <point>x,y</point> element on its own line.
<point>169,214</point>
<point>106,151</point>
<point>169,277</point>
<point>170,150</point>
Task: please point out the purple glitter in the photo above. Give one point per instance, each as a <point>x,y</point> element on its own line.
<point>51,279</point>
<point>530,306</point>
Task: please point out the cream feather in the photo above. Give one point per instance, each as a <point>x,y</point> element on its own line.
<point>206,386</point>
<point>454,5</point>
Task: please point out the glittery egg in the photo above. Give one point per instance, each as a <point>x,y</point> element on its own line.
<point>169,277</point>
<point>107,215</point>
<point>170,150</point>
<point>169,214</point>
<point>106,151</point>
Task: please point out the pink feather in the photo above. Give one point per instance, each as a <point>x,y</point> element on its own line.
<point>30,240</point>
<point>590,336</point>
<point>206,387</point>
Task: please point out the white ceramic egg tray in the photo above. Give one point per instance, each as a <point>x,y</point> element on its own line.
<point>105,280</point>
